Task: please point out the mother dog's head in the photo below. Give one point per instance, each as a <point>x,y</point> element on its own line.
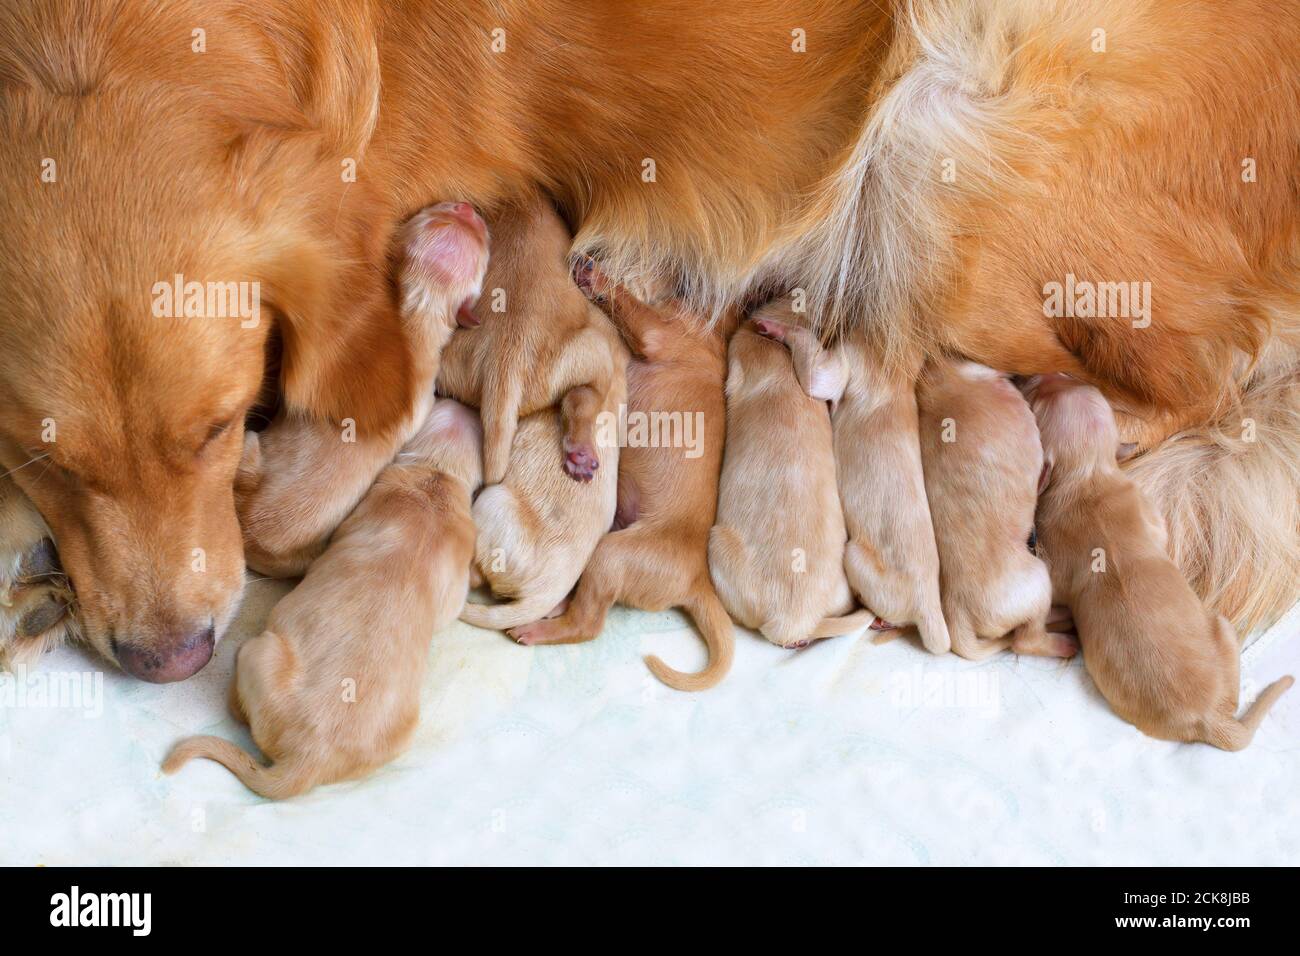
<point>173,192</point>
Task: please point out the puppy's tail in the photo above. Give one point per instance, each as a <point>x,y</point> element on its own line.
<point>845,624</point>
<point>1233,734</point>
<point>719,636</point>
<point>275,782</point>
<point>502,617</point>
<point>934,632</point>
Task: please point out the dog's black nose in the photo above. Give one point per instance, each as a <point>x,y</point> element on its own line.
<point>173,657</point>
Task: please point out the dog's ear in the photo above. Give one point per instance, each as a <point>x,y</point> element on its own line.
<point>326,55</point>
<point>346,357</point>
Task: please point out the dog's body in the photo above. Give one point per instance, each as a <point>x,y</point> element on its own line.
<point>656,557</point>
<point>535,342</point>
<point>891,560</point>
<point>538,528</point>
<point>1165,662</point>
<point>776,554</point>
<point>926,170</point>
<point>982,463</point>
<point>331,688</point>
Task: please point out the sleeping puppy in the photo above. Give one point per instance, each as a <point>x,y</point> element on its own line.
<point>331,688</point>
<point>891,560</point>
<point>982,463</point>
<point>657,556</point>
<point>1164,661</point>
<point>776,554</point>
<point>533,342</point>
<point>300,477</point>
<point>537,528</point>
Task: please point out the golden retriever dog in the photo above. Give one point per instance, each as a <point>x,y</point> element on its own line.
<point>534,342</point>
<point>982,461</point>
<point>1166,663</point>
<point>331,688</point>
<point>891,560</point>
<point>1009,180</point>
<point>657,556</point>
<point>776,553</point>
<point>300,477</point>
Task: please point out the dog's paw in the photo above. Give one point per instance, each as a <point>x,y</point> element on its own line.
<point>580,461</point>
<point>35,597</point>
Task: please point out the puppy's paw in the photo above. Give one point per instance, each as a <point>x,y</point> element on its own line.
<point>530,634</point>
<point>580,461</point>
<point>35,597</point>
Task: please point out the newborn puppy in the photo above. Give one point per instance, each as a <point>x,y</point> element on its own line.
<point>300,477</point>
<point>537,528</point>
<point>667,488</point>
<point>776,554</point>
<point>331,688</point>
<point>535,341</point>
<point>982,463</point>
<point>1165,663</point>
<point>891,559</point>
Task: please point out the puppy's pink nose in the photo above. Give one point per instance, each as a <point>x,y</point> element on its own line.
<point>176,657</point>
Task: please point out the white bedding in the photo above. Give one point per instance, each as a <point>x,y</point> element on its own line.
<point>843,753</point>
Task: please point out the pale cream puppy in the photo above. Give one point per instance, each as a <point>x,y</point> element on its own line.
<point>891,560</point>
<point>1165,662</point>
<point>331,689</point>
<point>300,477</point>
<point>983,460</point>
<point>538,528</point>
<point>776,553</point>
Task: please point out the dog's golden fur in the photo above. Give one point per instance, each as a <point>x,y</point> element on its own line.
<point>656,557</point>
<point>1164,661</point>
<point>690,143</point>
<point>331,689</point>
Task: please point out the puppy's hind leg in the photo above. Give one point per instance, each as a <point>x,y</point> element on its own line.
<point>578,412</point>
<point>598,589</point>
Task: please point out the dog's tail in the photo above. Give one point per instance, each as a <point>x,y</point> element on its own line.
<point>844,624</point>
<point>719,636</point>
<point>1232,734</point>
<point>1230,495</point>
<point>934,632</point>
<point>275,782</point>
<point>502,617</point>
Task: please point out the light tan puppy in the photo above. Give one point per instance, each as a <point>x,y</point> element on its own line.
<point>1164,661</point>
<point>776,554</point>
<point>301,476</point>
<point>982,462</point>
<point>534,342</point>
<point>538,528</point>
<point>331,688</point>
<point>657,556</point>
<point>891,559</point>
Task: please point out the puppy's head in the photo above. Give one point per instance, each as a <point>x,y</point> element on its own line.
<point>163,210</point>
<point>1075,423</point>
